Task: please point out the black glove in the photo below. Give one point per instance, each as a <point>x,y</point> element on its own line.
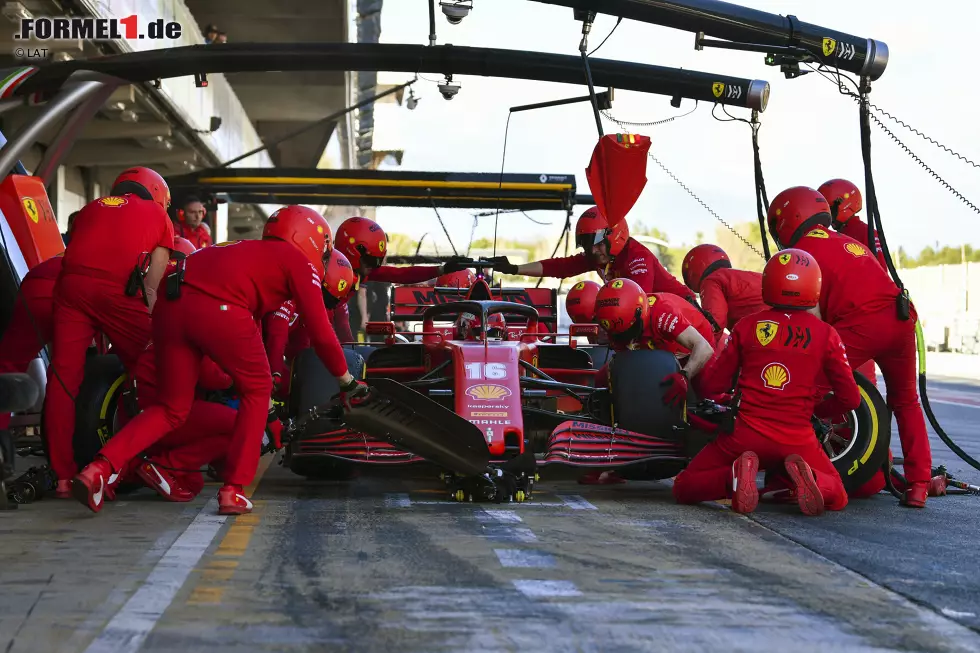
<point>455,264</point>
<point>502,265</point>
<point>354,393</point>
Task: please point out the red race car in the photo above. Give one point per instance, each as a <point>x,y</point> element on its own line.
<point>492,395</point>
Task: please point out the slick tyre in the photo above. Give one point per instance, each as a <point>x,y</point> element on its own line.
<point>96,405</point>
<point>312,385</point>
<point>637,398</point>
<point>858,444</point>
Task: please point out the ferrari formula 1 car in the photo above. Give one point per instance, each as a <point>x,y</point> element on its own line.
<point>489,394</point>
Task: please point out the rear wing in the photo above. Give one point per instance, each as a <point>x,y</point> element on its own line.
<point>409,302</point>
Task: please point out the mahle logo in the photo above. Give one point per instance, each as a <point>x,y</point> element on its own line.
<point>97,29</point>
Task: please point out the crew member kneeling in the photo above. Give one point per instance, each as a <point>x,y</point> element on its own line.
<point>227,290</point>
<point>778,381</point>
<point>874,319</point>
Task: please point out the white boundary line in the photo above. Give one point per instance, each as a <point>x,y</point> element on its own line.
<point>128,629</point>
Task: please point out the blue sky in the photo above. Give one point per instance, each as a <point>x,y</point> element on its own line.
<point>809,133</point>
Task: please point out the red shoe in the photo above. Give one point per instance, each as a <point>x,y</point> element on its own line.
<point>117,478</point>
<point>915,495</point>
<point>63,490</point>
<point>937,486</point>
<point>745,493</point>
<point>164,482</point>
<point>232,500</point>
<point>807,493</point>
<point>88,486</point>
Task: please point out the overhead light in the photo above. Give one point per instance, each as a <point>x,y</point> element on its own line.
<point>117,106</point>
<point>16,12</point>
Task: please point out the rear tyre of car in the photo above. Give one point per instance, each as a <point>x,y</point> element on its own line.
<point>96,405</point>
<point>869,426</point>
<point>312,385</point>
<point>637,397</point>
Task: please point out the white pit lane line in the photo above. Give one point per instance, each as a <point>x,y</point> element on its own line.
<point>129,628</point>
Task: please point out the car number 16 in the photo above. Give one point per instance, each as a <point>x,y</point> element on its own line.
<point>486,371</point>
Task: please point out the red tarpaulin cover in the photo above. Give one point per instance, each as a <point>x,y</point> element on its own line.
<point>617,173</point>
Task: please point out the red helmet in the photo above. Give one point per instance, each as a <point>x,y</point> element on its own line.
<point>791,279</point>
<point>304,228</point>
<point>702,261</point>
<point>363,242</point>
<point>338,279</point>
<point>580,302</point>
<point>468,327</point>
<point>182,246</point>
<point>621,306</point>
<point>794,212</point>
<point>461,279</point>
<point>144,183</point>
<point>844,199</point>
<point>592,228</point>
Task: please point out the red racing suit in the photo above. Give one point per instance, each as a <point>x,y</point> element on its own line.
<point>858,298</point>
<point>668,317</point>
<point>780,359</point>
<point>402,274</point>
<point>729,295</point>
<point>110,237</point>
<point>227,290</point>
<point>197,235</point>
<point>31,325</point>
<point>857,229</point>
<point>285,335</point>
<point>204,438</point>
<point>634,262</point>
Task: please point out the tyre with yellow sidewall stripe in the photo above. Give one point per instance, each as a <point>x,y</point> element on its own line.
<point>867,448</point>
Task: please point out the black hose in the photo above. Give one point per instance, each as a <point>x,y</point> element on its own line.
<point>761,199</point>
<point>874,222</point>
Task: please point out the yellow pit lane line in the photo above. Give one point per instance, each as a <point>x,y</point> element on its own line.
<point>128,629</point>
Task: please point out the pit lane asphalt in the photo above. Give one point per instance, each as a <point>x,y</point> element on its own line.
<point>388,564</point>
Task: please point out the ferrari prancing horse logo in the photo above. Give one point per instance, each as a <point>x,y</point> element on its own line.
<point>718,88</point>
<point>784,258</point>
<point>30,207</point>
<point>765,331</point>
<point>829,45</point>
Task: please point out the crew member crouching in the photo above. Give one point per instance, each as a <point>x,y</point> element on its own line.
<point>635,320</point>
<point>777,382</point>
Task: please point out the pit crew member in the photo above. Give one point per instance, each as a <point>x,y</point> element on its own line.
<point>727,295</point>
<point>634,319</point>
<point>119,248</point>
<point>285,332</point>
<point>778,380</point>
<point>875,321</point>
<point>215,311</point>
<point>609,251</point>
<point>845,203</point>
